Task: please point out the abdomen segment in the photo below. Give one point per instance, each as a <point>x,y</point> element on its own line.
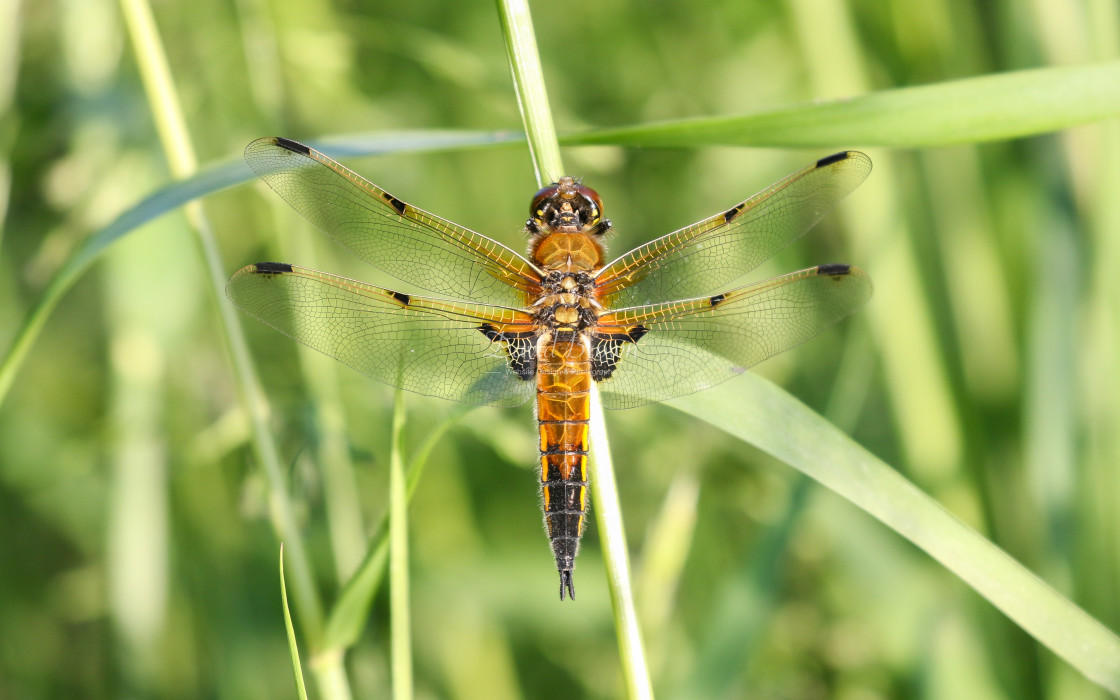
<point>563,392</point>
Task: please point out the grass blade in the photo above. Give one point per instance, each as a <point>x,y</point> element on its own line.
<point>612,534</point>
<point>293,647</point>
<point>168,117</point>
<point>758,412</point>
<point>348,616</point>
<point>529,82</point>
<point>986,108</point>
<point>400,626</point>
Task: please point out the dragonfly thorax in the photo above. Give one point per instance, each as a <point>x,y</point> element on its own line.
<point>561,281</point>
<point>567,311</point>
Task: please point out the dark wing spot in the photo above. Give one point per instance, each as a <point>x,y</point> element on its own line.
<point>717,299</point>
<point>606,350</point>
<point>272,268</point>
<point>293,146</point>
<point>395,203</point>
<point>834,158</point>
<point>491,334</point>
<point>834,269</point>
<point>521,349</point>
<point>404,299</point>
<point>731,213</point>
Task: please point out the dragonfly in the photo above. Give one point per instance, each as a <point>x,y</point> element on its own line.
<point>660,321</point>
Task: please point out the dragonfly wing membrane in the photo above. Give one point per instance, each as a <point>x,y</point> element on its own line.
<point>406,242</point>
<point>713,253</point>
<point>466,352</point>
<point>661,351</point>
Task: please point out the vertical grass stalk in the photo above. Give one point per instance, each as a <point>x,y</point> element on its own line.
<point>612,535</point>
<point>400,628</point>
<point>544,148</point>
<point>170,124</point>
<point>528,84</point>
<point>348,617</point>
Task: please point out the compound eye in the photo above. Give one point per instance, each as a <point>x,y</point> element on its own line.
<point>594,205</point>
<point>592,195</point>
<point>537,208</point>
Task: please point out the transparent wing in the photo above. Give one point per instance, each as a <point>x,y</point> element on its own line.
<point>713,253</point>
<point>686,346</point>
<point>408,243</point>
<point>433,347</point>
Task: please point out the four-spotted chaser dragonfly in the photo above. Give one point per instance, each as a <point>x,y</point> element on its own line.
<point>650,325</point>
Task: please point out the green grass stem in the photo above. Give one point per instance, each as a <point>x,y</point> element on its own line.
<point>528,84</point>
<point>612,536</point>
<point>545,150</point>
<point>171,126</point>
<point>400,626</point>
<point>348,617</point>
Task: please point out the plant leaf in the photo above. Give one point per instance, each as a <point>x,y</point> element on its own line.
<point>756,411</point>
<point>297,668</point>
<point>972,110</point>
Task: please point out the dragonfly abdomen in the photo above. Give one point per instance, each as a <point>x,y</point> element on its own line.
<point>563,393</point>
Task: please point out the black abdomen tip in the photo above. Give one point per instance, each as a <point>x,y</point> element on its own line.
<point>834,269</point>
<point>273,267</point>
<point>834,158</point>
<point>566,582</point>
<point>293,146</point>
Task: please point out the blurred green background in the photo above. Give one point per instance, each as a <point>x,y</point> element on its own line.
<point>136,558</point>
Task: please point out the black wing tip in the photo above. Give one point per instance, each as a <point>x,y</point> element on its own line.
<point>290,145</point>
<point>566,582</point>
<point>834,269</point>
<point>835,158</point>
<point>272,268</point>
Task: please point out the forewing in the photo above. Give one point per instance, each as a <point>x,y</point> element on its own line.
<point>433,347</point>
<point>408,243</point>
<point>686,346</point>
<point>713,253</point>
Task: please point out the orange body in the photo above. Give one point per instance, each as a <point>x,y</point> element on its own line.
<point>565,250</point>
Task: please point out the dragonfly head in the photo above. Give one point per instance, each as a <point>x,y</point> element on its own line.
<point>567,206</point>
